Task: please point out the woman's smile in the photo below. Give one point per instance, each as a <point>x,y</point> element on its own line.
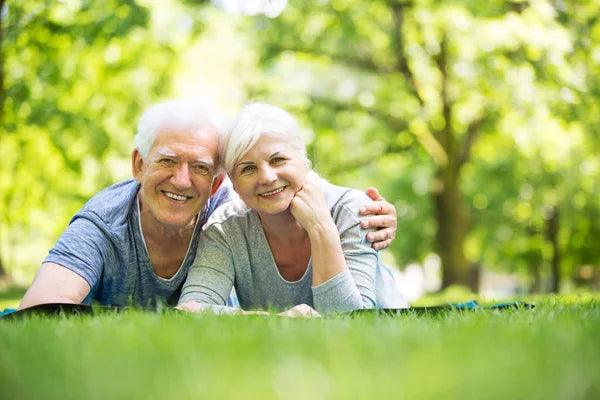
<point>273,193</point>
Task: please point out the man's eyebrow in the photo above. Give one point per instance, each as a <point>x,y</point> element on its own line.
<point>165,153</point>
<point>170,154</point>
<point>204,162</point>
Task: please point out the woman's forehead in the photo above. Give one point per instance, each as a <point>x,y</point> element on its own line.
<point>268,144</point>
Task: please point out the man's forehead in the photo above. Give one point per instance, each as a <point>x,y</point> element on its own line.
<point>186,138</point>
<point>185,150</point>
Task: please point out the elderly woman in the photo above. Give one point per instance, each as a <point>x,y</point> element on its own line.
<point>292,238</point>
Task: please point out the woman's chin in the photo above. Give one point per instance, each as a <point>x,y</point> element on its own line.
<point>273,208</point>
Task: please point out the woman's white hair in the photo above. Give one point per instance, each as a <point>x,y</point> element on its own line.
<point>174,114</point>
<point>252,121</point>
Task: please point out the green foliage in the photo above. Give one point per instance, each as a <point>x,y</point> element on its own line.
<point>497,98</point>
<point>77,75</point>
<point>549,352</point>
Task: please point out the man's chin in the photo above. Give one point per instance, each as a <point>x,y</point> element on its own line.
<point>178,222</point>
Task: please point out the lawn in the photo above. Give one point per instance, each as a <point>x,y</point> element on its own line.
<point>551,352</point>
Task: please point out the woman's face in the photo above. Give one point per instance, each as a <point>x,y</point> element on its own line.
<point>268,176</point>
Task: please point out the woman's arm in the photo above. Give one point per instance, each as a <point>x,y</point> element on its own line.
<point>211,276</point>
<point>309,208</point>
<point>333,285</point>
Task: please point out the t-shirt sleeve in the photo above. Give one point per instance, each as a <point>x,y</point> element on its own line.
<point>82,248</point>
<point>211,276</point>
<point>355,287</point>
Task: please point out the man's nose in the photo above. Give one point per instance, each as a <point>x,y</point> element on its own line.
<point>266,175</point>
<point>181,177</point>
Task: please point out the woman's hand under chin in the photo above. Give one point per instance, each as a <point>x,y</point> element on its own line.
<point>309,206</point>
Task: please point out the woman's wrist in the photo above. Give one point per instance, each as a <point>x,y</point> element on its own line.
<point>322,229</point>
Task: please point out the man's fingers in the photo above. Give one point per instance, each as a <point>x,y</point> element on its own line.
<point>378,222</point>
<point>377,208</point>
<point>381,245</point>
<point>374,194</point>
<point>381,235</point>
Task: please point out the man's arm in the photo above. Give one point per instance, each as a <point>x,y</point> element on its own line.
<point>380,215</point>
<point>55,284</point>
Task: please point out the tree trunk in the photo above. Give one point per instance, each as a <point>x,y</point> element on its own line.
<point>2,270</point>
<point>552,235</point>
<point>453,226</point>
<point>451,213</point>
<point>536,284</point>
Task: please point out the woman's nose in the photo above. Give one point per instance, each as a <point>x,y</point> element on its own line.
<point>267,175</point>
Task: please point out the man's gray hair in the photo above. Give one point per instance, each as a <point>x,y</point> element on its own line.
<point>252,121</point>
<point>174,114</point>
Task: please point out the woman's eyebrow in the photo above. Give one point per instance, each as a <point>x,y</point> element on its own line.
<point>277,153</point>
<point>244,163</point>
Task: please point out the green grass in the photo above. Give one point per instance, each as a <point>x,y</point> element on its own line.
<point>552,352</point>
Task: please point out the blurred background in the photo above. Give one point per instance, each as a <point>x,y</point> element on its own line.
<point>479,120</point>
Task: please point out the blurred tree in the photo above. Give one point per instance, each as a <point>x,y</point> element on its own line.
<point>77,75</point>
<point>377,77</point>
<point>547,213</point>
<point>2,269</point>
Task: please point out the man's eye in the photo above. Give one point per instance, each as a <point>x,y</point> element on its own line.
<point>201,169</point>
<point>167,162</point>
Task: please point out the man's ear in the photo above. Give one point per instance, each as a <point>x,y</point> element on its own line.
<point>136,164</point>
<point>217,181</point>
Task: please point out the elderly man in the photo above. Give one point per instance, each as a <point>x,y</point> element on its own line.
<point>133,242</point>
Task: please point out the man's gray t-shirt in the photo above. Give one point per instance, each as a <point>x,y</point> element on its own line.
<point>234,252</point>
<point>104,245</point>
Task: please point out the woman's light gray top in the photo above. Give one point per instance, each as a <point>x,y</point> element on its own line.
<point>234,251</point>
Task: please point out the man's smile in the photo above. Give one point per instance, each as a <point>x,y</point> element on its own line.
<point>175,196</point>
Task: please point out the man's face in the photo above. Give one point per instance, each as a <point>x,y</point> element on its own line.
<point>178,175</point>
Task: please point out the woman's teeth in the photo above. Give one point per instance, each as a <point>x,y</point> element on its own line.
<point>271,193</point>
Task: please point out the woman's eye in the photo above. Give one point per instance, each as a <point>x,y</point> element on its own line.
<point>277,161</point>
<point>248,169</point>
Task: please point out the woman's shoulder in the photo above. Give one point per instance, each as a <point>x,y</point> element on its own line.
<point>233,212</point>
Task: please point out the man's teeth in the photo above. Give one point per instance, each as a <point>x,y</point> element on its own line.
<point>271,193</point>
<point>175,196</point>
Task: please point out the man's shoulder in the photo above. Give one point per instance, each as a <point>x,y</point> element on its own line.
<point>112,205</point>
